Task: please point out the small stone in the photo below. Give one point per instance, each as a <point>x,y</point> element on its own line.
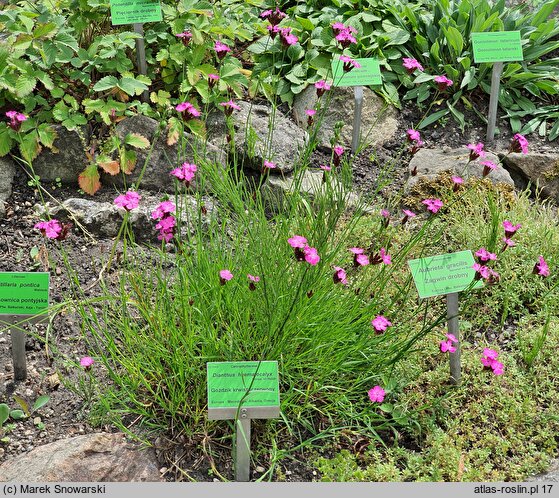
<point>53,380</point>
<point>37,420</point>
<point>163,470</point>
<point>259,469</point>
<point>2,451</point>
<point>29,393</point>
<point>288,472</point>
<point>314,472</point>
<point>58,270</point>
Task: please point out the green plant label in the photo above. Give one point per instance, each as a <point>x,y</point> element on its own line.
<point>497,46</point>
<point>444,274</point>
<point>23,293</point>
<point>229,382</point>
<point>367,74</point>
<point>135,11</point>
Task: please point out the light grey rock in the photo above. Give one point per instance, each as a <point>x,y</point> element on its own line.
<point>88,458</point>
<point>100,218</point>
<point>67,159</point>
<point>162,158</point>
<point>431,162</point>
<point>552,474</point>
<point>277,189</point>
<point>104,219</point>
<point>539,170</point>
<point>7,172</point>
<point>379,121</point>
<point>253,140</point>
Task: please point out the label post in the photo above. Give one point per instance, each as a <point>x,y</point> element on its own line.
<point>446,275</point>
<point>22,294</point>
<point>496,47</point>
<point>367,74</point>
<point>241,391</point>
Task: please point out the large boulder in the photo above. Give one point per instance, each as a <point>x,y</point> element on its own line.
<point>162,157</point>
<point>260,135</point>
<point>429,163</point>
<point>540,171</point>
<point>89,458</point>
<point>379,121</point>
<point>7,172</point>
<point>104,219</point>
<point>66,160</point>
<point>276,190</point>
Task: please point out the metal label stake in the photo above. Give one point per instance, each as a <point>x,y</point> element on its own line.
<point>242,451</point>
<point>18,351</point>
<point>454,329</point>
<point>241,456</point>
<point>358,94</point>
<point>141,56</point>
<point>493,100</point>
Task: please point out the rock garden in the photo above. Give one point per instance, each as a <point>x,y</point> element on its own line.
<point>306,241</point>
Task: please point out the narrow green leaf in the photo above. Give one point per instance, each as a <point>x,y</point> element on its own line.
<point>531,126</point>
<point>21,402</point>
<point>432,118</point>
<point>4,413</point>
<point>554,132</point>
<point>40,402</point>
<point>458,115</point>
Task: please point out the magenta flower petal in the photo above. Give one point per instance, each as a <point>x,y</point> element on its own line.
<point>377,394</point>
<point>311,255</point>
<point>519,144</point>
<point>225,275</point>
<point>297,241</point>
<point>381,323</point>
<point>87,361</point>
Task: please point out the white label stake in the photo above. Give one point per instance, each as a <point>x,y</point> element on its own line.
<point>141,56</point>
<point>493,100</point>
<point>454,329</point>
<point>358,93</point>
